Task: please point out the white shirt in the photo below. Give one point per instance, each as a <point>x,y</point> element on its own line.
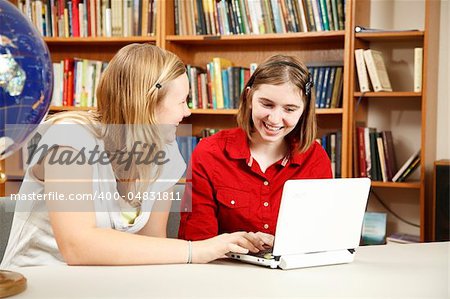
<point>32,242</point>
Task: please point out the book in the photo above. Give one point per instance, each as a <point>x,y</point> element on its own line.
<point>219,64</point>
<point>361,71</point>
<point>406,165</point>
<point>374,228</point>
<point>361,152</point>
<point>413,166</point>
<point>418,60</point>
<point>377,70</point>
<point>402,238</point>
<point>381,157</point>
<point>389,154</point>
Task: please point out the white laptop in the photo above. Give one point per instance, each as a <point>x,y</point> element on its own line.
<point>319,223</point>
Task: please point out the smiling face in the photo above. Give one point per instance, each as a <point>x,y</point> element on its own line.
<point>276,110</point>
<point>173,106</point>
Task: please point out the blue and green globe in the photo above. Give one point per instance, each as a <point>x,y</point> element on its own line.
<point>26,79</point>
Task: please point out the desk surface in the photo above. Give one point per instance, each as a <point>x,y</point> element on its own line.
<point>391,271</point>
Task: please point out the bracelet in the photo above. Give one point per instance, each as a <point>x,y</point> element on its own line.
<point>189,261</point>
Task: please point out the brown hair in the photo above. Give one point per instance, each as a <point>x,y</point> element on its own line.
<point>277,70</point>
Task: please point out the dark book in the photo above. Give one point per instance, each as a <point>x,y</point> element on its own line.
<point>338,173</point>
<point>296,15</point>
<point>381,158</point>
<point>325,83</point>
<point>361,152</point>
<point>330,15</point>
<point>291,13</point>
<point>310,15</point>
<point>413,166</point>
<point>341,14</point>
<point>334,10</point>
<point>321,71</point>
<point>406,165</point>
<point>201,17</point>
<point>337,88</point>
<point>389,154</point>
<point>324,15</point>
<point>330,87</point>
<point>375,161</point>
<point>236,16</point>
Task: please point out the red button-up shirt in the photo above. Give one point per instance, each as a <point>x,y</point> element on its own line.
<point>230,192</point>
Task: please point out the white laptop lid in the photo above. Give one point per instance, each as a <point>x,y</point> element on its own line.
<point>321,215</point>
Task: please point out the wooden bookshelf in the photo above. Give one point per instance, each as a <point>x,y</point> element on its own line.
<point>399,36</point>
<point>388,43</point>
<point>69,108</point>
<point>328,46</point>
<point>394,94</point>
<point>310,37</point>
<point>243,49</point>
<point>68,41</point>
<point>214,111</point>
<point>407,185</point>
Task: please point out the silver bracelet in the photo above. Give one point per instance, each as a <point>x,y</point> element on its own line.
<point>189,261</point>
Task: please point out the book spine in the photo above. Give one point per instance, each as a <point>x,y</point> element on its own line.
<point>413,166</point>
<point>363,80</point>
<point>376,171</point>
<point>418,62</point>
<point>389,154</point>
<point>330,87</point>
<point>381,157</point>
<point>337,88</point>
<point>361,152</point>
<point>324,14</point>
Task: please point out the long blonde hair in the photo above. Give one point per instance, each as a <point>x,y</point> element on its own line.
<point>277,70</point>
<point>129,91</point>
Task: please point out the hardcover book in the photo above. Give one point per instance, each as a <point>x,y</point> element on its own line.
<point>361,70</point>
<point>377,70</point>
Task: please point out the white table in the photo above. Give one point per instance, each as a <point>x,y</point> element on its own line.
<point>391,271</point>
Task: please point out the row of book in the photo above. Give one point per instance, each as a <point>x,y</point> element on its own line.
<point>75,82</point>
<point>332,144</point>
<point>328,83</point>
<point>218,86</point>
<point>225,17</point>
<point>186,144</point>
<point>375,157</point>
<point>85,18</point>
<point>372,62</point>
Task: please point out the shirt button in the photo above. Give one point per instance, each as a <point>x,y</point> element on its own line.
<point>266,204</point>
<point>266,226</point>
<point>233,202</point>
<point>266,183</point>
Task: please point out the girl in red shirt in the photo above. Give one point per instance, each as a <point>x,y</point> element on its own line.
<point>237,175</point>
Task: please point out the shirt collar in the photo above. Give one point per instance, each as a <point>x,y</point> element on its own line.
<point>237,145</point>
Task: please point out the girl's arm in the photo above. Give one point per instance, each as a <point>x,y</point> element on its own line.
<point>81,242</point>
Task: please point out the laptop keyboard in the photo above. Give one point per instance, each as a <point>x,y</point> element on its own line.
<point>267,254</point>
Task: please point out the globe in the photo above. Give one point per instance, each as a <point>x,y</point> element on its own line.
<point>26,79</point>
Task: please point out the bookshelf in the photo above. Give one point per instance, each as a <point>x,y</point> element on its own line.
<point>419,106</point>
<point>243,49</point>
<point>323,46</point>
